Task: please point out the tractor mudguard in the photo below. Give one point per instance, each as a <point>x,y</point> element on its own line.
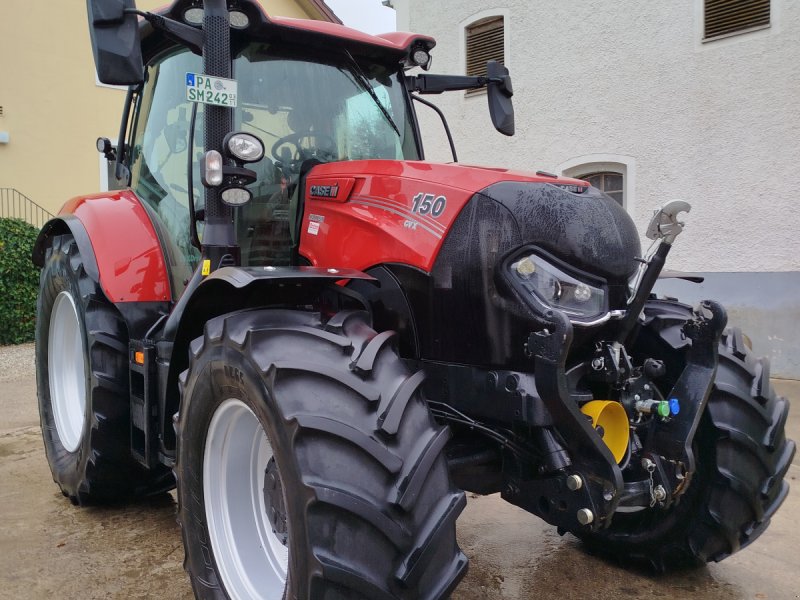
<point>235,288</point>
<point>66,223</point>
<point>119,245</point>
<point>231,289</point>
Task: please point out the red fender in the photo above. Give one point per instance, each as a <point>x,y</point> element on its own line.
<point>129,257</point>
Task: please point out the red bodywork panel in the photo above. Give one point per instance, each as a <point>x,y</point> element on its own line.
<point>125,244</point>
<point>377,222</point>
<point>396,40</point>
<point>330,34</point>
<point>357,214</point>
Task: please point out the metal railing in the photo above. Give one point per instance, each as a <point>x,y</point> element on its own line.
<point>15,205</point>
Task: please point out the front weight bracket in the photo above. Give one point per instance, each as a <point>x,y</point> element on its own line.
<point>673,439</point>
<point>590,456</point>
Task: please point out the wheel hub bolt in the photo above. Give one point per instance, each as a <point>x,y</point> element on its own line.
<point>574,483</point>
<point>659,493</point>
<point>585,516</point>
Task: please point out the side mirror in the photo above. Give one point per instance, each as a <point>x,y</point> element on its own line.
<point>499,92</point>
<point>115,41</point>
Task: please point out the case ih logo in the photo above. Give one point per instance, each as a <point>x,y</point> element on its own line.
<point>325,191</point>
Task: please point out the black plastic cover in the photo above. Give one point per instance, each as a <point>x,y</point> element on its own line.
<point>589,231</point>
<point>115,42</point>
<point>499,94</point>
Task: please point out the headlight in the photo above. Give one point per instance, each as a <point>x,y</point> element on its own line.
<point>579,300</point>
<point>244,147</point>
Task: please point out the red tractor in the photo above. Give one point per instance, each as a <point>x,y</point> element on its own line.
<point>325,340</point>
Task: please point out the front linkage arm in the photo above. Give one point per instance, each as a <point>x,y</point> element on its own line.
<point>586,492</point>
<point>672,441</point>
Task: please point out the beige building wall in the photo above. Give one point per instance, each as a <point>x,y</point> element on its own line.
<point>52,108</point>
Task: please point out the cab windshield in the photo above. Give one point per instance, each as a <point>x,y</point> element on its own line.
<point>332,109</point>
<point>306,107</point>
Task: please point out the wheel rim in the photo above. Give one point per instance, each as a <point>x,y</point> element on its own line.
<point>251,558</point>
<point>66,364</point>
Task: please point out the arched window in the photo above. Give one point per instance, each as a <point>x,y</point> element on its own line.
<point>609,182</point>
<point>614,174</point>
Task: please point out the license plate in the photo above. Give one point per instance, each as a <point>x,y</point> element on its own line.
<point>211,90</point>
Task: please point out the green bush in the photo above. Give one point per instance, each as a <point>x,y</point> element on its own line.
<point>19,281</point>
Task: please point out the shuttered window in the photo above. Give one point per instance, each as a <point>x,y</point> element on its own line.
<point>723,17</point>
<point>485,42</point>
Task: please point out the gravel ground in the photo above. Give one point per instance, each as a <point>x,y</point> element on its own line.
<point>17,362</point>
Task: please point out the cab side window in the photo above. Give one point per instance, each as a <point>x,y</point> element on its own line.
<point>160,155</point>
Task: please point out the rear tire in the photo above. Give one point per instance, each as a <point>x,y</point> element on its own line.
<point>82,379</point>
<point>367,507</point>
<point>742,457</point>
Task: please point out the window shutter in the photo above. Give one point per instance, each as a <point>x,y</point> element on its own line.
<point>485,42</point>
<point>729,16</point>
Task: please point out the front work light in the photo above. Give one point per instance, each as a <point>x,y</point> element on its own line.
<point>243,147</point>
<point>420,57</point>
<point>238,19</point>
<point>194,16</point>
<point>235,196</point>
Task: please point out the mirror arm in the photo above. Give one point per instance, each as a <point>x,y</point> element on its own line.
<point>120,168</point>
<point>189,36</point>
<point>438,111</point>
<point>436,84</point>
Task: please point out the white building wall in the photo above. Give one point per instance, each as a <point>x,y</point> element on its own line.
<point>630,82</point>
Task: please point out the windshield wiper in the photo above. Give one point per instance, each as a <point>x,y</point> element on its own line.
<point>363,81</point>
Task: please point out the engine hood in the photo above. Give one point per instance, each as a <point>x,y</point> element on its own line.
<point>587,230</point>
<point>563,216</point>
<point>463,177</point>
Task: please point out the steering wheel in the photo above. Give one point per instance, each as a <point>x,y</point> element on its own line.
<point>323,148</point>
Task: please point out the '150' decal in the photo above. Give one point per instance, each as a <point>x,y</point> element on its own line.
<point>429,204</point>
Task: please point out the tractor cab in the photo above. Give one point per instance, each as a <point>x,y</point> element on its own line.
<point>308,92</point>
<point>306,108</point>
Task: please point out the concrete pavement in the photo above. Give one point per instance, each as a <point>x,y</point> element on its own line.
<point>50,549</point>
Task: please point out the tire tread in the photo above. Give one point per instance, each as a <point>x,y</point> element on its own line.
<point>347,365</point>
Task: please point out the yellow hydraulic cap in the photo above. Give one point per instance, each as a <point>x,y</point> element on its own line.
<point>612,421</point>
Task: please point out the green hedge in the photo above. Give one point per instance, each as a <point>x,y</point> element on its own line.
<point>19,281</point>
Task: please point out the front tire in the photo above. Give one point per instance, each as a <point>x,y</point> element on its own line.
<point>316,434</point>
<point>742,458</point>
<point>82,380</point>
